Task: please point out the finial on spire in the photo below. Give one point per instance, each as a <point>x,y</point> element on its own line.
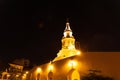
<point>67,20</point>
<point>67,25</point>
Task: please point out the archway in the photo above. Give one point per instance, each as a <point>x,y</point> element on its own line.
<point>38,76</point>
<point>73,75</point>
<point>50,75</point>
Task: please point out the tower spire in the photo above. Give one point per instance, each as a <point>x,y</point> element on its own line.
<point>67,26</point>
<point>67,31</point>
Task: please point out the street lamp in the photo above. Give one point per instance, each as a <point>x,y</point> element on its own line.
<point>78,52</point>
<point>72,64</point>
<point>8,75</point>
<point>26,72</point>
<point>38,70</point>
<point>50,67</point>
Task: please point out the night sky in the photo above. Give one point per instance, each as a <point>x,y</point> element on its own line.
<point>33,29</point>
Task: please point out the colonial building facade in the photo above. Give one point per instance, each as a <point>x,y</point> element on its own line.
<point>71,64</point>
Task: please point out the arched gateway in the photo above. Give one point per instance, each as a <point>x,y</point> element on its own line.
<point>73,75</point>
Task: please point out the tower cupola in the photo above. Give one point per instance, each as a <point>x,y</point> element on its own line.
<point>68,44</point>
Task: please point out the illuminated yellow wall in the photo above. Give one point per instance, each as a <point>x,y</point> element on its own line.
<point>107,62</point>
<point>68,59</point>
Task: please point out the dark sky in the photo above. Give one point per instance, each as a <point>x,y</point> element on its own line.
<point>33,29</point>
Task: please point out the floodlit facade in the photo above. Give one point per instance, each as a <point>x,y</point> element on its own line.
<point>71,64</point>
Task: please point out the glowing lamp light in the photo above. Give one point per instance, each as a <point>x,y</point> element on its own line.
<point>38,70</point>
<point>70,34</point>
<point>64,34</point>
<point>23,77</point>
<point>50,68</point>
<point>78,53</point>
<point>26,72</point>
<point>67,33</point>
<point>72,64</point>
<point>70,47</point>
<point>17,75</point>
<point>8,75</point>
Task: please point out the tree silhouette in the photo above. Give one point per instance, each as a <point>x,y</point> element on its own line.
<point>95,75</point>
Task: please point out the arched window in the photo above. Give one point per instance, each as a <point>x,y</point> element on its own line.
<point>73,75</point>
<point>5,76</point>
<point>50,75</point>
<point>38,76</point>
